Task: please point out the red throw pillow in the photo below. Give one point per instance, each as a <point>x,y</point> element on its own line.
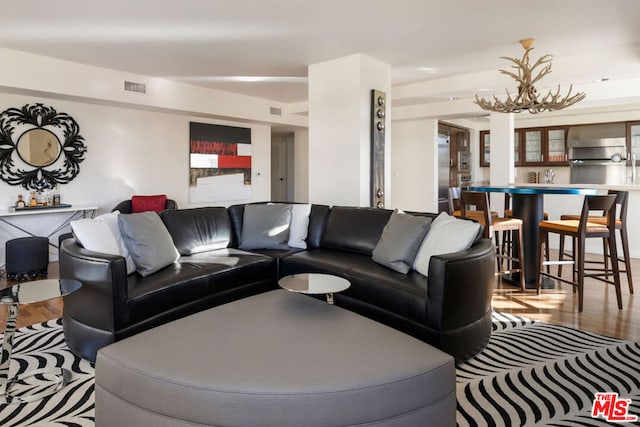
<point>148,203</point>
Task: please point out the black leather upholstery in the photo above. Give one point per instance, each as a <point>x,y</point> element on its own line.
<point>236,214</point>
<point>125,206</point>
<point>354,229</point>
<point>199,229</point>
<point>450,309</point>
<point>317,225</point>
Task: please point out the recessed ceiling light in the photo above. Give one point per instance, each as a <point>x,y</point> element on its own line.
<point>453,98</point>
<point>483,89</point>
<point>428,70</point>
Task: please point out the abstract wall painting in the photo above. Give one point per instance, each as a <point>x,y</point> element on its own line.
<point>219,163</point>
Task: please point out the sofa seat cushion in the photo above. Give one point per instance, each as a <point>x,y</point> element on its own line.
<point>194,277</point>
<point>370,282</point>
<point>277,254</point>
<point>321,261</point>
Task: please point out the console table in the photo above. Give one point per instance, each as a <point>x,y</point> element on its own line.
<point>73,212</point>
<point>70,213</point>
<point>528,205</point>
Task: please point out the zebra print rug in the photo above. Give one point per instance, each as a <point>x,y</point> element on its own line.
<point>534,373</point>
<point>39,346</point>
<point>531,373</point>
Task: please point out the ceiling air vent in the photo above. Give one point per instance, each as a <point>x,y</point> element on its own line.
<point>275,111</point>
<point>135,87</point>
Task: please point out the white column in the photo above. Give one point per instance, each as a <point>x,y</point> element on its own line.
<point>339,132</point>
<point>415,165</point>
<point>502,170</point>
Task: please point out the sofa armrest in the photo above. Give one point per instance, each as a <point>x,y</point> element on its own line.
<point>461,286</point>
<point>104,284</point>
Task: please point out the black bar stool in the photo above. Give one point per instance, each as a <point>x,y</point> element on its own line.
<point>493,225</point>
<point>622,202</point>
<point>580,230</point>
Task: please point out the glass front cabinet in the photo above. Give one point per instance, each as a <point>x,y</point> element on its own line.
<point>539,147</point>
<point>633,143</point>
<point>533,149</point>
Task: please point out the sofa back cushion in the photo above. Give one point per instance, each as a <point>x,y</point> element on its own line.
<point>236,215</point>
<point>317,224</point>
<point>355,229</point>
<point>199,229</point>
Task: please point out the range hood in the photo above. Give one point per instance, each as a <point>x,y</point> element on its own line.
<point>598,154</point>
<point>600,135</point>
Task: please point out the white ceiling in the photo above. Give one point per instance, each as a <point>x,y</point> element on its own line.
<point>214,42</point>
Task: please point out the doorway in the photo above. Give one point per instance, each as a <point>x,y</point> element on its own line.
<point>282,146</point>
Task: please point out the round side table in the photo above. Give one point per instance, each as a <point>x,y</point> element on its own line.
<point>54,378</point>
<point>314,283</point>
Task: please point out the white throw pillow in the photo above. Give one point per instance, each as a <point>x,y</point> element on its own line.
<point>447,234</point>
<point>299,225</point>
<point>102,234</point>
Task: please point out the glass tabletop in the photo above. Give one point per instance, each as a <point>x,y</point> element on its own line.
<point>524,189</point>
<point>38,290</point>
<point>314,283</point>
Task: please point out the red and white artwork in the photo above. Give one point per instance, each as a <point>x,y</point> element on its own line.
<point>219,163</point>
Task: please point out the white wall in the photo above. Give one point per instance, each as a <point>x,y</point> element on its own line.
<point>301,166</point>
<point>414,165</point>
<point>129,152</point>
<point>26,73</point>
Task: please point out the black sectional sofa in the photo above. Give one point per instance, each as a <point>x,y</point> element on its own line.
<point>450,309</point>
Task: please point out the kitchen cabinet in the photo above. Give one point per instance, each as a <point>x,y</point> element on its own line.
<point>533,149</point>
<point>485,148</point>
<point>485,152</point>
<point>545,146</point>
<point>633,142</point>
<point>556,145</point>
<point>459,154</point>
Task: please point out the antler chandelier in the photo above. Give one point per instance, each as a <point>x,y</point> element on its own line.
<point>528,97</point>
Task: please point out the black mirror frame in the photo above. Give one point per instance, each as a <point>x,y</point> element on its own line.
<point>15,171</point>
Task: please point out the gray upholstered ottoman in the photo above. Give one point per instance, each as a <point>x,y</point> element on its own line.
<point>275,359</point>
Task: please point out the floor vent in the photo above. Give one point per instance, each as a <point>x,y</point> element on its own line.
<point>135,87</point>
<point>275,111</point>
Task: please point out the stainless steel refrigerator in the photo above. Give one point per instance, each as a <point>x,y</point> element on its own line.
<point>444,161</point>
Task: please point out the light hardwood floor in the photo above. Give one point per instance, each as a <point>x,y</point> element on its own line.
<point>558,306</point>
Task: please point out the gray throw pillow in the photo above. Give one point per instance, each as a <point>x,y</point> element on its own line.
<point>148,241</point>
<point>265,227</point>
<point>400,240</point>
